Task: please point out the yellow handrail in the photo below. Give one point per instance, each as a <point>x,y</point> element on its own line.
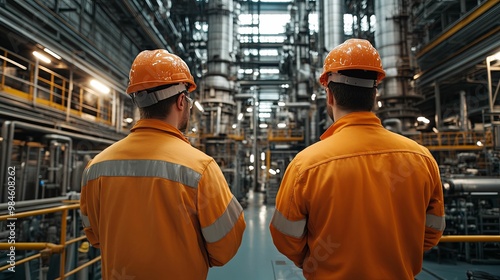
<point>61,248</point>
<point>53,248</point>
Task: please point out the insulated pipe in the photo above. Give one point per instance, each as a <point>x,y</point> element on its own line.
<point>476,184</point>
<point>463,111</point>
<point>395,90</point>
<point>67,158</point>
<point>34,202</point>
<point>437,100</point>
<point>333,27</point>
<point>217,89</point>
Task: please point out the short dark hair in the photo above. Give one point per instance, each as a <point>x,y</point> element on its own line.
<point>354,98</point>
<point>158,110</point>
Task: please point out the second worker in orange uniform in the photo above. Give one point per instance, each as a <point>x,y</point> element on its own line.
<point>364,202</point>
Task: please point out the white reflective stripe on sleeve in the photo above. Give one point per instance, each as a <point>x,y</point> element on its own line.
<point>435,222</point>
<point>224,224</point>
<point>291,228</point>
<point>85,221</point>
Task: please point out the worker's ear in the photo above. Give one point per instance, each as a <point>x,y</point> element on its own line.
<point>179,102</point>
<point>330,100</point>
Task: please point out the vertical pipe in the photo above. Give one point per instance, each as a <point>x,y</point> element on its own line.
<point>38,166</point>
<point>70,95</point>
<point>255,142</point>
<point>4,156</point>
<point>463,111</point>
<point>490,88</point>
<point>35,82</point>
<point>62,266</point>
<point>218,121</point>
<point>437,95</point>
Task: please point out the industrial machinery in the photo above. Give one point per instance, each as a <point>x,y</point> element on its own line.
<point>472,206</point>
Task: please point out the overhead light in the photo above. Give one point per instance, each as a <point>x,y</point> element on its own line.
<point>129,120</point>
<point>281,125</point>
<point>272,171</point>
<point>100,86</point>
<point>234,126</point>
<point>423,119</point>
<point>240,116</point>
<point>13,62</point>
<point>281,103</point>
<point>41,57</point>
<point>252,158</point>
<point>55,55</point>
<point>250,167</point>
<point>379,104</point>
<point>435,130</point>
<point>262,156</point>
<point>263,125</point>
<point>496,56</point>
<point>479,143</point>
<point>313,96</point>
<point>198,105</point>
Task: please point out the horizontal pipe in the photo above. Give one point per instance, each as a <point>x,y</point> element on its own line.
<point>34,202</point>
<point>470,238</point>
<point>40,212</point>
<point>54,248</point>
<point>82,267</point>
<point>21,261</point>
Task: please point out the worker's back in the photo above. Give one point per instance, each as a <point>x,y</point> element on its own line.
<point>365,192</point>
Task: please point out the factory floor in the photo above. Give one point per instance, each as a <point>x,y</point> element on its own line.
<point>258,259</point>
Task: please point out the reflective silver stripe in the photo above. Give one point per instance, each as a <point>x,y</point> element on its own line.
<point>224,223</point>
<point>291,228</point>
<point>435,222</point>
<point>85,221</point>
<point>143,168</point>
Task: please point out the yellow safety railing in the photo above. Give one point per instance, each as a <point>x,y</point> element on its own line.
<point>50,248</point>
<point>285,135</point>
<point>38,85</point>
<point>457,140</point>
<point>47,249</point>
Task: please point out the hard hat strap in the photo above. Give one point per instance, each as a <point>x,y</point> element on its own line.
<point>144,98</point>
<point>359,82</point>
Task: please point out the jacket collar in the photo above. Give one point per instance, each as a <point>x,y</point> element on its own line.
<point>354,118</point>
<point>158,125</point>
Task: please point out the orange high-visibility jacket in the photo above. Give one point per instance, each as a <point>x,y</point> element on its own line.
<point>158,208</point>
<point>363,203</point>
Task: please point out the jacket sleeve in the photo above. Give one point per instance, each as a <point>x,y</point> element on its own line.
<point>89,209</point>
<point>221,216</point>
<point>289,224</point>
<point>435,218</point>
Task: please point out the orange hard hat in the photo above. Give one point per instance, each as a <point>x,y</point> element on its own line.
<point>154,68</point>
<point>353,54</point>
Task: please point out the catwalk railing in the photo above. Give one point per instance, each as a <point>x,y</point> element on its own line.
<point>30,82</point>
<point>47,249</point>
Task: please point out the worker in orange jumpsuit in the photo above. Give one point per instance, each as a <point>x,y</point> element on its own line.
<point>364,202</point>
<point>157,207</point>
